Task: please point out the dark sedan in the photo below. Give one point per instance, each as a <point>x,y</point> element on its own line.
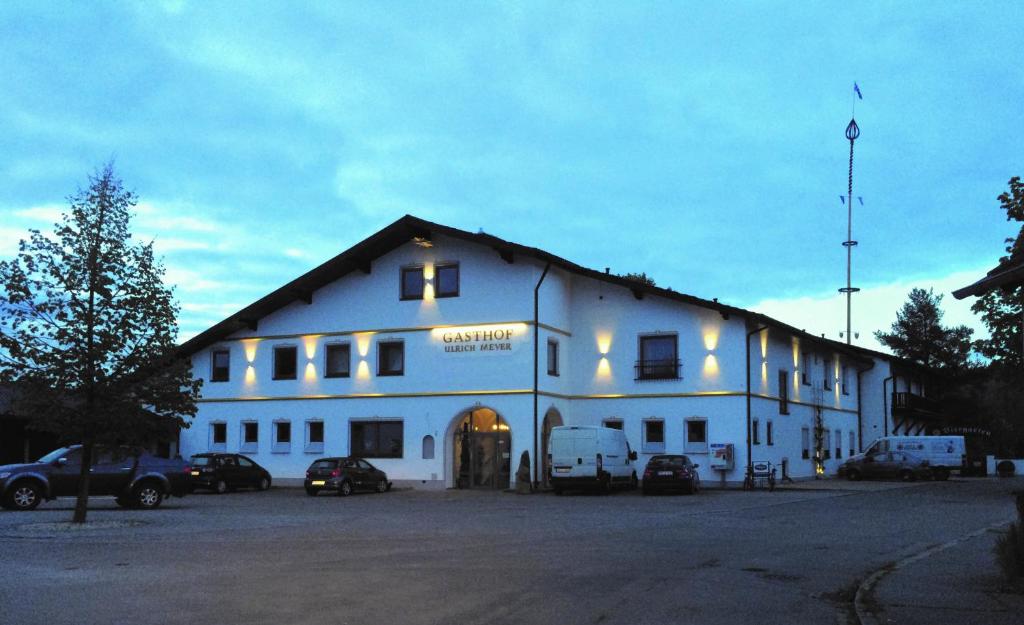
<point>344,476</point>
<point>223,472</point>
<point>671,473</point>
<point>886,464</point>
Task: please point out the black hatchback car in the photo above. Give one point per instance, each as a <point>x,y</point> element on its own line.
<point>223,472</point>
<point>665,473</point>
<point>345,476</point>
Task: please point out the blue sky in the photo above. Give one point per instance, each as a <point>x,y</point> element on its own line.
<point>701,144</point>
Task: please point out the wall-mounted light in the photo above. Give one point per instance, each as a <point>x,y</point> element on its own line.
<point>363,343</point>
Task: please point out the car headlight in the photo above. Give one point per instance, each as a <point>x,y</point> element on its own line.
<point>5,475</point>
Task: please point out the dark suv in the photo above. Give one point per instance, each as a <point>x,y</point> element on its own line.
<point>137,478</point>
<point>344,475</point>
<point>223,472</point>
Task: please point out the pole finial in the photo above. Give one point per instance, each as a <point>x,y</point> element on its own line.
<point>852,130</point>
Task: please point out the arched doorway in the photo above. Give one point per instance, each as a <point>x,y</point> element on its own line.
<point>552,419</point>
<point>481,450</point>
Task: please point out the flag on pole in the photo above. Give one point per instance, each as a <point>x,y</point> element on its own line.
<point>856,90</point>
<point>842,200</point>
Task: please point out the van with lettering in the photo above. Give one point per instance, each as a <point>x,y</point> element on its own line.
<point>943,453</point>
<point>590,457</point>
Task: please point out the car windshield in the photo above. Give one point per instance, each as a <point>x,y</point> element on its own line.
<point>53,455</point>
<point>201,461</point>
<point>667,461</point>
<point>324,464</point>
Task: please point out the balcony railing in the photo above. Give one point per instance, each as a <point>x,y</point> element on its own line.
<point>658,370</point>
<point>911,404</point>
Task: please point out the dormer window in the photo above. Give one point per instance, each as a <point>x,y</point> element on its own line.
<point>412,282</point>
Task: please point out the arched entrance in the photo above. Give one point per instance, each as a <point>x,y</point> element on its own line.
<point>552,419</point>
<point>481,444</point>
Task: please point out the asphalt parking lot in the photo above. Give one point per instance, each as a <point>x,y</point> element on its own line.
<point>792,556</point>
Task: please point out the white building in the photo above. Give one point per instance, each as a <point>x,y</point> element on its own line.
<point>442,355</point>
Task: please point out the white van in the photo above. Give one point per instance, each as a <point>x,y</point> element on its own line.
<point>590,456</point>
<point>943,453</point>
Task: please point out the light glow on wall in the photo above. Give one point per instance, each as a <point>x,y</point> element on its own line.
<point>363,370</point>
<point>250,374</point>
<point>711,339</point>
<point>310,374</point>
<point>249,346</point>
<point>604,343</point>
<point>710,366</point>
<point>363,342</point>
<point>764,343</point>
<point>604,368</point>
<point>310,344</point>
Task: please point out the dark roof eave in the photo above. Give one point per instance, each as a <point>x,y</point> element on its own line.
<point>1005,277</point>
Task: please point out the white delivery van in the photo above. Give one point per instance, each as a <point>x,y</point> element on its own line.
<point>943,453</point>
<point>590,457</point>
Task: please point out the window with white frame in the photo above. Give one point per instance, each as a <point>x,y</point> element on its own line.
<point>783,391</point>
<point>696,436</point>
<point>390,358</point>
<point>412,282</point>
<point>654,435</point>
<point>282,437</point>
<point>552,357</point>
<point>285,362</point>
<point>314,437</point>
<point>755,431</point>
<point>337,360</point>
<point>827,444</point>
<point>220,365</point>
<point>250,436</point>
<point>829,374</point>
<point>446,280</point>
<point>769,433</point>
<point>377,439</point>
<point>218,436</point>
<point>805,443</point>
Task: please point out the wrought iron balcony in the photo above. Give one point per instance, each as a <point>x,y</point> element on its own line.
<point>658,370</point>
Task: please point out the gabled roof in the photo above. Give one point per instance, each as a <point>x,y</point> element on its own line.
<point>360,256</point>
<point>1008,275</point>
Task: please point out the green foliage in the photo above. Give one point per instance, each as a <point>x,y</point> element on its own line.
<point>918,334</point>
<point>642,278</point>
<point>88,329</point>
<point>1001,310</point>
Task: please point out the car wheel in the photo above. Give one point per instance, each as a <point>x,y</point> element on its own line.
<point>382,486</point>
<point>853,475</point>
<point>147,495</point>
<point>264,483</point>
<point>312,492</point>
<point>345,488</point>
<point>23,496</point>
<point>220,487</point>
<point>907,475</point>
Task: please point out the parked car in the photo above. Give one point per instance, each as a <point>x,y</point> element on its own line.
<point>668,472</point>
<point>590,457</point>
<point>136,478</point>
<point>891,464</point>
<point>345,476</point>
<point>223,472</point>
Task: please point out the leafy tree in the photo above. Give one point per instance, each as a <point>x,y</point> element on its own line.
<point>918,334</point>
<point>642,278</point>
<point>1001,310</point>
<point>87,331</point>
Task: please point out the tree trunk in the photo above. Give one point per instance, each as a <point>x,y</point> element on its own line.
<point>83,484</point>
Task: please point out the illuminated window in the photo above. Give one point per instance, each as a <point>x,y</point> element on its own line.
<point>285,358</point>
<point>412,282</point>
<point>696,436</point>
<point>783,392</point>
<point>446,280</point>
<point>391,358</point>
<point>338,359</point>
<point>552,357</point>
<point>659,358</point>
<point>376,439</point>
<point>654,435</point>
<point>805,443</point>
<point>220,365</point>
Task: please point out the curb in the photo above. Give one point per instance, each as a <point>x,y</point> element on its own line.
<point>861,600</point>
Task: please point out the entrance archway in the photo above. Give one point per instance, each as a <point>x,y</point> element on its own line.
<point>481,444</point>
<point>552,419</point>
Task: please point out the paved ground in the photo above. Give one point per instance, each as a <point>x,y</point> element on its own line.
<point>792,556</point>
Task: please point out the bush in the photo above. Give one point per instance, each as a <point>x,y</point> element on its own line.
<point>1009,549</point>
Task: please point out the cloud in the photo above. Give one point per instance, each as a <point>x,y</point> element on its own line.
<point>874,308</point>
